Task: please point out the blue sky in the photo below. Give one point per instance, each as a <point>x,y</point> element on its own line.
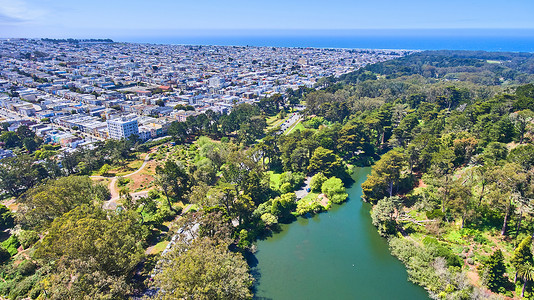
<point>110,18</point>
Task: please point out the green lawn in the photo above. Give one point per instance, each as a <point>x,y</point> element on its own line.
<point>298,126</point>
<point>159,247</point>
<point>275,180</point>
<point>271,120</point>
<point>310,197</point>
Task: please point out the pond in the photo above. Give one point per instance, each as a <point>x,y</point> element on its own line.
<point>334,255</point>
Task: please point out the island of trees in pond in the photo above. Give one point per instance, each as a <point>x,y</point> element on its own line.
<point>448,134</point>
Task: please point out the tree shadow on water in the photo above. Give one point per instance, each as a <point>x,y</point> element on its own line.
<point>255,272</point>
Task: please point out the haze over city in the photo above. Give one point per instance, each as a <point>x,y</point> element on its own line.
<point>83,19</point>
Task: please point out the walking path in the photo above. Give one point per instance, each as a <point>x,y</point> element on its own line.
<point>158,239</point>
<point>112,186</point>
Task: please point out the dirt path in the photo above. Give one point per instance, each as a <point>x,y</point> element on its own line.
<point>112,186</point>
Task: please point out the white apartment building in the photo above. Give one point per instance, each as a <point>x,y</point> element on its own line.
<point>122,127</point>
<point>216,82</point>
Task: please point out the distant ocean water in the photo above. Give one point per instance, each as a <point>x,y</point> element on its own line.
<point>486,40</point>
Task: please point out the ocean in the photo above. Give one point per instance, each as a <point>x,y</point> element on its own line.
<point>520,40</point>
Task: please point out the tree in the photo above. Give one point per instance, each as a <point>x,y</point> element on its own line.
<point>243,207</point>
<point>291,181</point>
<point>4,255</point>
<point>205,171</point>
<point>6,218</point>
<point>317,181</point>
<point>385,176</point>
<point>522,255</point>
<point>326,161</point>
<point>172,178</point>
<point>334,189</point>
<point>461,199</point>
<point>464,147</point>
<point>10,139</point>
<point>20,173</point>
<point>104,170</point>
<point>385,214</point>
<point>299,159</point>
<point>42,204</point>
<point>203,270</point>
<point>442,174</point>
<point>352,139</point>
<point>24,131</point>
<point>163,181</point>
<point>521,121</point>
<point>494,270</point>
<point>251,129</point>
<point>404,132</point>
<point>282,206</point>
<point>30,144</point>
<point>523,155</point>
<point>178,131</point>
<point>494,153</point>
<point>506,182</point>
<point>526,272</point>
<point>94,254</point>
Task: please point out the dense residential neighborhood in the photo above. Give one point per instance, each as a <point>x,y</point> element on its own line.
<point>74,92</point>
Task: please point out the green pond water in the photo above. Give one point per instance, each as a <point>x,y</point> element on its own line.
<point>334,255</point>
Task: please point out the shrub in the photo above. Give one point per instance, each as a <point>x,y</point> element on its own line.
<point>11,245</point>
<point>334,189</point>
<point>27,238</point>
<point>317,181</point>
<point>429,270</point>
<point>438,250</point>
<point>283,205</point>
<point>285,188</point>
<point>4,255</point>
<point>314,122</point>
<point>304,207</point>
<point>104,169</point>
<point>290,181</point>
<point>121,181</point>
<point>243,242</point>
<point>22,288</point>
<point>263,208</point>
<point>435,214</point>
<point>153,194</point>
<point>26,268</point>
<point>269,219</point>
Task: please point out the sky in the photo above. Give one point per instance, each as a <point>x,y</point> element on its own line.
<point>112,18</point>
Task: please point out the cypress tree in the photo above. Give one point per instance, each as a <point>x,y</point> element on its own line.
<point>522,255</point>
<point>494,270</point>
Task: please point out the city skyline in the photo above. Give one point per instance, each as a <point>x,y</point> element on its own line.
<point>53,18</point>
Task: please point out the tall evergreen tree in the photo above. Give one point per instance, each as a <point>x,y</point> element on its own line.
<point>522,255</point>
<point>494,270</point>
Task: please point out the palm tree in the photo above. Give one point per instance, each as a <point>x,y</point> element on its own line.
<point>526,272</point>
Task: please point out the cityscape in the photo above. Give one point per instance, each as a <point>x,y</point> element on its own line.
<point>75,92</point>
<point>275,150</point>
